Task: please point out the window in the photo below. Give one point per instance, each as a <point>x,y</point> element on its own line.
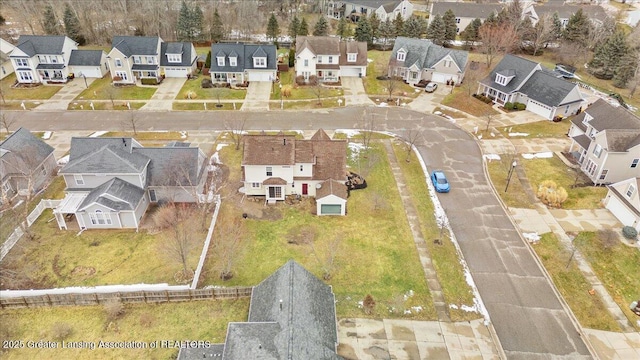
<point>630,190</point>
<point>22,62</point>
<point>43,169</point>
<point>269,171</point>
<point>447,63</point>
<point>319,59</point>
<point>118,62</point>
<point>457,20</point>
<point>603,175</point>
<point>351,57</point>
<point>597,151</point>
<point>401,55</point>
<point>150,60</point>
<point>100,218</point>
<point>174,58</point>
<point>233,61</point>
<point>79,179</point>
<point>25,75</point>
<point>6,187</point>
<point>330,59</point>
<point>306,62</point>
<point>634,163</point>
<point>260,62</point>
<point>275,192</point>
<point>502,80</point>
<point>301,168</point>
<point>121,74</point>
<point>152,195</point>
<point>591,167</point>
<point>54,59</point>
<point>220,60</point>
<point>136,60</point>
<point>255,185</point>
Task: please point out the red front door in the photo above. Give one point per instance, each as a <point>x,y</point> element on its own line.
<point>305,189</point>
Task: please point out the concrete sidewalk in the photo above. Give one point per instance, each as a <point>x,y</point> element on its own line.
<point>61,99</point>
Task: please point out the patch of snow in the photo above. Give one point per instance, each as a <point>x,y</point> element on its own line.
<point>369,61</point>
<point>350,133</point>
<point>542,155</point>
<point>355,150</point>
<point>407,312</point>
<point>97,134</point>
<point>360,303</point>
<point>219,147</point>
<point>242,190</point>
<point>469,308</point>
<point>491,157</point>
<point>518,134</point>
<point>63,160</point>
<point>215,159</point>
<point>383,104</point>
<point>531,237</point>
<point>416,309</point>
<point>453,306</point>
<point>183,134</point>
<point>439,113</point>
<point>47,135</point>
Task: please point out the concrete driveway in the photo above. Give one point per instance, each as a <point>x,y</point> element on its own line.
<point>165,93</point>
<point>69,91</point>
<point>354,93</point>
<point>258,95</point>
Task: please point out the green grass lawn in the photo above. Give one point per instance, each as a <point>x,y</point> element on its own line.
<point>617,267</point>
<point>203,50</point>
<point>17,105</point>
<point>193,86</point>
<point>102,89</point>
<point>40,92</point>
<point>147,135</point>
<point>377,67</point>
<point>376,255</point>
<point>196,320</point>
<point>541,129</point>
<point>304,92</point>
<point>104,105</point>
<point>211,105</point>
<point>515,196</point>
<point>571,283</point>
<point>445,258</point>
<point>307,104</point>
<point>461,100</point>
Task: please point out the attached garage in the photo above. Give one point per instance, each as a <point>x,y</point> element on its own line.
<point>254,75</point>
<point>626,209</point>
<point>88,63</point>
<point>348,71</point>
<point>175,72</point>
<point>331,198</point>
<point>443,78</point>
<point>87,71</point>
<point>540,109</point>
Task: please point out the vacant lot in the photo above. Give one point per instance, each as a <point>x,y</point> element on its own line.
<point>41,92</point>
<point>375,251</point>
<point>197,320</point>
<point>102,89</point>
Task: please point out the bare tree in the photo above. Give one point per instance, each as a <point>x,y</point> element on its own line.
<point>540,34</point>
<point>497,39</point>
<point>228,245</point>
<point>392,85</point>
<point>235,127</point>
<point>180,240</point>
<point>488,116</point>
<point>318,91</point>
<point>6,123</point>
<point>112,94</point>
<point>368,129</point>
<point>410,138</point>
<point>327,257</point>
<point>471,77</point>
<point>131,122</point>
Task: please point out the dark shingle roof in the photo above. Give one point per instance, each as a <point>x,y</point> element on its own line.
<point>268,149</point>
<point>106,160</point>
<point>375,3</point>
<point>175,47</point>
<point>136,45</point>
<point>83,145</point>
<point>353,47</point>
<point>319,45</point>
<point>547,89</point>
<point>583,140</point>
<point>213,351</point>
<point>183,48</point>
<point>245,59</point>
<point>171,166</point>
<point>332,187</point>
<point>85,57</point>
<point>607,116</point>
<point>115,194</point>
<point>466,10</point>
<point>425,54</point>
<point>613,188</point>
<point>292,316</point>
<point>21,153</point>
<point>522,68</point>
<point>39,44</point>
<point>565,11</point>
<point>622,140</point>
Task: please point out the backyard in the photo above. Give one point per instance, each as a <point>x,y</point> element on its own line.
<point>102,89</point>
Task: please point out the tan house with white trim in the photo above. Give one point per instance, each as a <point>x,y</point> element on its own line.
<point>623,200</point>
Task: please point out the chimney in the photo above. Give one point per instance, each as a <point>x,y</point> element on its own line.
<point>280,304</point>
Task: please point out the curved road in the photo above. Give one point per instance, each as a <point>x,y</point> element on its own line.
<point>527,315</point>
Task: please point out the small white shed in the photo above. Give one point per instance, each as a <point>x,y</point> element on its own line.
<point>331,198</point>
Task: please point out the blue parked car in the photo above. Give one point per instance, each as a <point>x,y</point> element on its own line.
<point>440,181</point>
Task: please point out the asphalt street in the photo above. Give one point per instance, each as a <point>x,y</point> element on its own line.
<point>525,310</point>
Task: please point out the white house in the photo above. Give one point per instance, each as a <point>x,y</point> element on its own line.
<point>6,68</point>
<point>623,200</point>
<point>178,59</point>
<point>329,59</point>
<point>42,59</point>
<point>354,9</point>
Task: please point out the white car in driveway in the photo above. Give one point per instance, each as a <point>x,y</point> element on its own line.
<point>431,87</point>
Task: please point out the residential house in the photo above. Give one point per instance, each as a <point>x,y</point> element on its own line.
<point>623,200</point>
<point>465,12</point>
<point>238,63</point>
<point>535,12</point>
<point>329,59</point>
<point>354,9</point>
<point>88,63</point>
<point>134,58</point>
<point>6,68</point>
<point>516,79</point>
<point>420,59</point>
<point>26,164</point>
<point>292,315</point>
<point>42,59</point>
<point>111,181</point>
<point>275,166</point>
<point>606,143</point>
<point>178,59</point>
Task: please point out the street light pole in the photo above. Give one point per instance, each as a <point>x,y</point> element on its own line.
<point>281,103</point>
<point>513,167</point>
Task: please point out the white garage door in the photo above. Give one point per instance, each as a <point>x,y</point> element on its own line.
<point>260,76</point>
<point>175,72</point>
<point>330,209</point>
<point>539,109</point>
<point>90,72</point>
<point>620,212</point>
<point>350,72</point>
<point>442,78</point>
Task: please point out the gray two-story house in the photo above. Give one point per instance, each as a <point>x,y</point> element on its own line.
<point>238,63</point>
<point>134,57</point>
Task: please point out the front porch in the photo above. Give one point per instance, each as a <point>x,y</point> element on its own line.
<point>232,77</point>
<point>497,96</point>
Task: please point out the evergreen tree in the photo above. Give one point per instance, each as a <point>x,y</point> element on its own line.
<point>436,31</point>
<point>294,25</point>
<point>470,33</point>
<point>450,26</point>
<point>413,28</point>
<point>184,23</point>
<point>343,30</point>
<point>72,25</point>
<point>398,25</point>
<point>292,57</point>
<point>626,69</point>
<point>578,28</point>
<point>217,28</point>
<point>491,19</point>
<point>197,18</point>
<point>386,31</point>
<point>50,22</point>
<point>374,21</point>
<point>556,25</point>
<point>607,57</point>
<point>207,62</point>
<point>363,31</point>
<point>273,29</point>
<point>304,28</point>
<point>503,17</point>
<point>321,28</point>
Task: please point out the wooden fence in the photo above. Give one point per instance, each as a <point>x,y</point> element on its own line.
<point>144,296</point>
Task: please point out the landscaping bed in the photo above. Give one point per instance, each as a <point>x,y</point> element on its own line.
<point>192,89</point>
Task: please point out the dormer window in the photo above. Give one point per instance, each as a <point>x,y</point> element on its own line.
<point>401,55</point>
<point>630,190</point>
<point>149,59</point>
<point>220,60</point>
<point>352,57</point>
<point>587,118</point>
<point>118,62</point>
<point>136,59</point>
<point>502,80</point>
<point>174,58</point>
<point>233,61</point>
<point>260,62</point>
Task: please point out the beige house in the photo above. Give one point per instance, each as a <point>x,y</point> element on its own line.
<point>465,12</point>
<point>606,143</point>
<point>329,59</point>
<point>354,9</point>
<point>623,200</point>
<point>134,57</point>
<point>5,62</point>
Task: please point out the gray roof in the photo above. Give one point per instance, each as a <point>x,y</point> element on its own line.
<point>565,11</point>
<point>292,316</point>
<point>115,194</point>
<point>583,140</point>
<point>426,54</point>
<point>83,145</point>
<point>106,160</point>
<point>245,56</point>
<point>606,116</point>
<point>48,66</point>
<point>613,188</point>
<point>41,44</point>
<point>388,5</point>
<point>213,351</point>
<point>172,166</point>
<point>466,10</point>
<point>547,89</point>
<point>136,45</point>
<point>522,68</point>
<point>21,153</point>
<point>622,140</point>
<point>86,57</point>
<point>183,48</point>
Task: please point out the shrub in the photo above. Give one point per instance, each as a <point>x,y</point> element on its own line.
<point>190,95</point>
<point>207,62</point>
<point>313,80</point>
<point>286,91</point>
<point>206,83</point>
<point>508,106</point>
<point>113,309</point>
<point>61,331</point>
<point>520,106</point>
<point>149,81</point>
<point>368,304</point>
<point>292,57</point>
<point>629,232</point>
<point>552,195</point>
<point>300,80</point>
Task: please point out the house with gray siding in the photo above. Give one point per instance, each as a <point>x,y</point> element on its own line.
<point>238,63</point>
<point>134,57</point>
<point>535,12</point>
<point>606,143</point>
<point>111,181</point>
<point>6,67</point>
<point>355,9</point>
<point>42,59</point>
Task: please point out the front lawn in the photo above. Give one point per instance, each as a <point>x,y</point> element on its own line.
<point>147,323</point>
<point>515,196</point>
<point>379,66</point>
<point>40,92</point>
<point>209,106</point>
<point>148,135</point>
<point>376,253</point>
<point>461,100</point>
<point>540,129</point>
<point>105,105</point>
<point>617,267</point>
<point>102,89</point>
<point>307,104</point>
<point>194,86</point>
<point>304,92</point>
<point>589,309</point>
<point>17,105</point>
